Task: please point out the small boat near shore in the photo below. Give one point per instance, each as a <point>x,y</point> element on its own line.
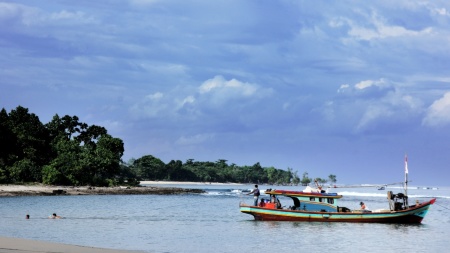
<point>316,205</point>
<point>313,205</point>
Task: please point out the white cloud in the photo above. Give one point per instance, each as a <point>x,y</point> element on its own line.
<point>218,91</point>
<point>364,84</point>
<point>438,114</point>
<point>215,96</point>
<point>155,96</point>
<point>69,16</point>
<point>194,139</point>
<point>143,3</point>
<point>219,84</point>
<point>372,104</point>
<point>376,28</point>
<point>368,88</point>
<point>442,11</point>
<point>343,87</point>
<point>20,13</point>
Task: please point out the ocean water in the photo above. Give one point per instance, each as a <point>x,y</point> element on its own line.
<point>211,222</point>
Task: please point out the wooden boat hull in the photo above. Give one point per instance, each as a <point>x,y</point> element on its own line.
<point>411,215</point>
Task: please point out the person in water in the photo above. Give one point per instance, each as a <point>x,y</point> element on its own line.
<point>54,216</point>
<point>256,194</point>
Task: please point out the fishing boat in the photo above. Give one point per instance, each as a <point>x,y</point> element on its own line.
<point>315,204</point>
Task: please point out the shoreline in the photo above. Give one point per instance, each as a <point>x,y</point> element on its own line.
<point>19,245</point>
<point>146,187</point>
<point>46,190</point>
<point>184,183</point>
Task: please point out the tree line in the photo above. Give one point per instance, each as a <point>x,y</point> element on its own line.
<point>66,151</point>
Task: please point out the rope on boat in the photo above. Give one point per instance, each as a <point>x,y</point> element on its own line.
<point>442,206</point>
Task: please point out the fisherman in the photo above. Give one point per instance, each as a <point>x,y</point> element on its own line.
<point>276,201</point>
<point>262,203</point>
<point>363,206</point>
<point>256,194</point>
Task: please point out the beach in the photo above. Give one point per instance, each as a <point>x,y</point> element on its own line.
<point>15,245</point>
<point>184,183</point>
<point>45,190</point>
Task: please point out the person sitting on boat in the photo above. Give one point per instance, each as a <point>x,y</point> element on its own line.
<point>262,203</point>
<point>364,207</point>
<point>256,194</point>
<point>276,201</point>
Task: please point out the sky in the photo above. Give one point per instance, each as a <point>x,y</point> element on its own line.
<point>324,87</point>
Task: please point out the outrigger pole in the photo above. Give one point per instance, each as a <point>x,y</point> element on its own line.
<point>406,179</point>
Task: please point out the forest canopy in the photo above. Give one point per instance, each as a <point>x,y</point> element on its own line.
<point>66,151</point>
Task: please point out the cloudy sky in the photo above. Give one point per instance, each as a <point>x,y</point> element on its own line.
<point>324,87</point>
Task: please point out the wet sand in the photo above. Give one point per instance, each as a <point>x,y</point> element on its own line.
<point>15,245</point>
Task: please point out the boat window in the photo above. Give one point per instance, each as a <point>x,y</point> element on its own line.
<point>320,199</point>
<point>312,199</point>
<point>330,201</point>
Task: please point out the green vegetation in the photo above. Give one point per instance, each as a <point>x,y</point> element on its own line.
<point>68,152</point>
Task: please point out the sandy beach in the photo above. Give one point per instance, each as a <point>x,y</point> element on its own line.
<point>183,182</point>
<point>15,245</point>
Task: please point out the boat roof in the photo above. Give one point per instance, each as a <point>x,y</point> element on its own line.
<point>304,194</point>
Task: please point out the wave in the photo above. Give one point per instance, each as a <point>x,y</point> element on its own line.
<point>242,192</point>
<point>384,195</point>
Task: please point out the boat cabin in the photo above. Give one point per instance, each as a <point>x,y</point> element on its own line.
<point>308,200</point>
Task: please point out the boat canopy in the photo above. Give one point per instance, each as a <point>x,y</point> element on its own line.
<point>306,194</point>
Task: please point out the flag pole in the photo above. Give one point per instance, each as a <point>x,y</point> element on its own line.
<point>406,179</point>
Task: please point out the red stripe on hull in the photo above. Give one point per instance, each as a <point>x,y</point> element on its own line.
<point>410,219</point>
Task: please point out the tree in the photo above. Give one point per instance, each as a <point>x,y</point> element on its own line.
<point>31,148</point>
<point>8,149</point>
<point>105,159</point>
<point>150,168</point>
<point>174,170</point>
<point>320,181</point>
<point>295,179</point>
<point>305,179</point>
<point>332,178</point>
<point>272,175</point>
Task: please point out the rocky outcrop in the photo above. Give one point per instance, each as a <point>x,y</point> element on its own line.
<point>12,190</point>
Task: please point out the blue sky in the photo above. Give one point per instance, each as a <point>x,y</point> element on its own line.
<point>324,87</point>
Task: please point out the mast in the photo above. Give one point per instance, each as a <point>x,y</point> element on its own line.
<point>406,179</point>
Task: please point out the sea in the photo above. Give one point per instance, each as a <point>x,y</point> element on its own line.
<point>212,222</point>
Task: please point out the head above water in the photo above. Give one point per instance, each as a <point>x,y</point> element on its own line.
<point>362,203</point>
<point>256,186</point>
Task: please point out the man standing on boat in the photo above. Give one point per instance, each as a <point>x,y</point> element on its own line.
<point>256,194</point>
